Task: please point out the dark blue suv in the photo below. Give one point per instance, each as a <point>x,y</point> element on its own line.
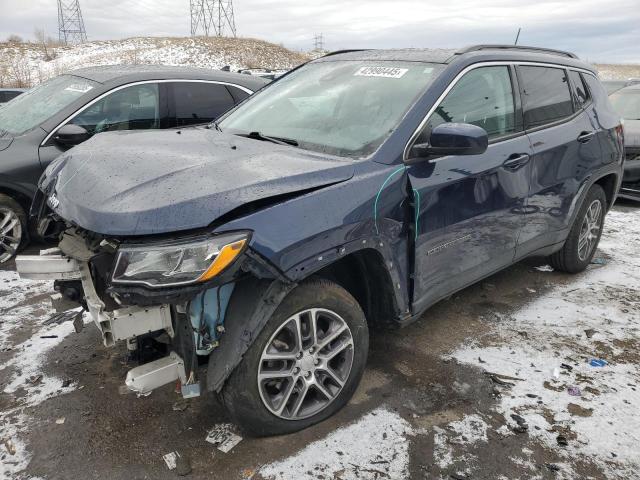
<point>355,191</point>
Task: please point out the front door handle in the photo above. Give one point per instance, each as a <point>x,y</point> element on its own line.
<point>586,136</point>
<point>516,161</point>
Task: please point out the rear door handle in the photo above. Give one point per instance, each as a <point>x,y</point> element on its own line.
<point>586,136</point>
<point>516,161</point>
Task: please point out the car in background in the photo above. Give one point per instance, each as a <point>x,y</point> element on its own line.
<point>612,86</point>
<point>67,110</point>
<point>626,102</point>
<point>7,94</point>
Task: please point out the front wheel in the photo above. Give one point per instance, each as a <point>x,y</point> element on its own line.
<point>13,224</point>
<point>304,366</point>
<point>584,236</point>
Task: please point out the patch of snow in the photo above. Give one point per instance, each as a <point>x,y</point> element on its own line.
<point>605,299</point>
<point>467,431</point>
<point>27,386</point>
<point>376,446</point>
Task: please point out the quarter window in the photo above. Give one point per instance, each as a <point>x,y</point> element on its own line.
<point>131,108</point>
<point>580,92</point>
<point>546,96</point>
<point>198,102</point>
<point>483,97</point>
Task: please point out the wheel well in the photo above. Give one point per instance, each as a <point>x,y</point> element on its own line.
<point>22,199</point>
<point>608,184</point>
<point>364,275</point>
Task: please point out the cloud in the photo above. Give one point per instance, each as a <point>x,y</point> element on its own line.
<point>593,29</point>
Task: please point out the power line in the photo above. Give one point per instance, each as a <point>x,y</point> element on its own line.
<point>70,23</point>
<point>212,16</point>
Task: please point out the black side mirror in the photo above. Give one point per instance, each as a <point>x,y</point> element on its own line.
<point>452,139</point>
<point>70,135</point>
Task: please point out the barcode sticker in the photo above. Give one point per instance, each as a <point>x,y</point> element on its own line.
<point>386,72</point>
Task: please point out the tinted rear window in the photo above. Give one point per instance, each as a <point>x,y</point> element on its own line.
<point>198,102</point>
<point>580,92</point>
<point>546,95</point>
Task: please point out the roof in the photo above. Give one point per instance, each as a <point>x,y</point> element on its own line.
<point>635,87</point>
<point>478,52</point>
<point>121,74</point>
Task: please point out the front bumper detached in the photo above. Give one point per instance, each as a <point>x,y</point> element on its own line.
<point>120,324</point>
<point>125,323</point>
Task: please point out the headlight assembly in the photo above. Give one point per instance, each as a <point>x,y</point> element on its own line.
<point>177,263</point>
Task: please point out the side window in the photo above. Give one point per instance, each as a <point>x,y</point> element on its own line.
<point>197,102</point>
<point>580,92</point>
<point>238,95</point>
<point>3,97</point>
<point>546,95</point>
<point>483,97</point>
<point>132,108</point>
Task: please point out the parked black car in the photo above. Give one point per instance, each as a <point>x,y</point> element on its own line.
<point>65,111</point>
<point>626,101</point>
<point>7,94</point>
<point>353,192</point>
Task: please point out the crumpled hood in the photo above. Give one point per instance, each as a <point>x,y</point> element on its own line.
<point>632,133</point>
<point>141,183</point>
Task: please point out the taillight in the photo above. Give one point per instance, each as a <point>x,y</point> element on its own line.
<point>620,133</point>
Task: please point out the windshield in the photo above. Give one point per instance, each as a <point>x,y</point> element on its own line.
<point>40,103</point>
<point>627,103</point>
<point>346,108</point>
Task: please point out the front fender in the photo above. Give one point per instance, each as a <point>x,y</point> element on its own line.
<point>251,305</point>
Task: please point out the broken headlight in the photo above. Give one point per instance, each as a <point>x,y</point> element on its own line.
<point>177,263</point>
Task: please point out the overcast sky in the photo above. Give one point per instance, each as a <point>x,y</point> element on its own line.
<point>598,30</point>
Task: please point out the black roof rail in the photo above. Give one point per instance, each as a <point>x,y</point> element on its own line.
<point>338,52</point>
<point>475,48</point>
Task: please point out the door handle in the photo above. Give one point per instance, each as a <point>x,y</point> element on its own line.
<point>586,136</point>
<point>516,161</point>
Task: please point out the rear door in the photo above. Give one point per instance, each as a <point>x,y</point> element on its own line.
<point>196,103</point>
<point>566,149</point>
<point>469,208</point>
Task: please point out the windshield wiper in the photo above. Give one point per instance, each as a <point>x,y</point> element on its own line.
<point>278,140</point>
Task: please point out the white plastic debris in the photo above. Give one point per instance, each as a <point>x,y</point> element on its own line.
<point>223,437</point>
<point>60,421</point>
<point>171,460</point>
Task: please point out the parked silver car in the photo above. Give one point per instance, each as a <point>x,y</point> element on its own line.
<point>626,101</point>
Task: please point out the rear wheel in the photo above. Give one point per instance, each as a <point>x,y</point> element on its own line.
<point>583,239</point>
<point>13,224</point>
<point>304,366</point>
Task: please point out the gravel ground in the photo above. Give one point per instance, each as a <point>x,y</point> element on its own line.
<point>493,383</point>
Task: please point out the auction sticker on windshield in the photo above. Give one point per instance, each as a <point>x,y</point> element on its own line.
<point>386,72</point>
<point>79,88</point>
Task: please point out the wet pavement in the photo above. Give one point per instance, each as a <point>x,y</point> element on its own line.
<point>476,389</point>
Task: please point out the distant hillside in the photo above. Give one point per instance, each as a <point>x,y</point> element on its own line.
<point>26,64</point>
<point>618,72</point>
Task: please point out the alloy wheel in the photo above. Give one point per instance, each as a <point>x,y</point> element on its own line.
<point>590,230</point>
<point>10,233</point>
<point>305,364</point>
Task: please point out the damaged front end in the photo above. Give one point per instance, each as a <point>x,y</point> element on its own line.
<point>173,291</point>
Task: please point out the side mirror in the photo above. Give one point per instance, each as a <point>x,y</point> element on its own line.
<point>452,139</point>
<point>70,135</point>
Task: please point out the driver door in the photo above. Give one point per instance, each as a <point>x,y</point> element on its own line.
<point>137,107</point>
<point>470,208</point>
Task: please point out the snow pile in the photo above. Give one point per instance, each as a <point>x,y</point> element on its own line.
<point>23,309</point>
<point>374,447</point>
<point>26,64</point>
<point>560,395</point>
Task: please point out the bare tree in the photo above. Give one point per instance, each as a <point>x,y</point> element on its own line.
<point>13,38</point>
<point>44,42</point>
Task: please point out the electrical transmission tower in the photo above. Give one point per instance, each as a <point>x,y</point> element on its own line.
<point>318,42</point>
<point>70,24</point>
<point>212,16</point>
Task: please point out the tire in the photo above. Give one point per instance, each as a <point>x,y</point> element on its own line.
<point>13,228</point>
<point>574,256</point>
<point>268,406</point>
